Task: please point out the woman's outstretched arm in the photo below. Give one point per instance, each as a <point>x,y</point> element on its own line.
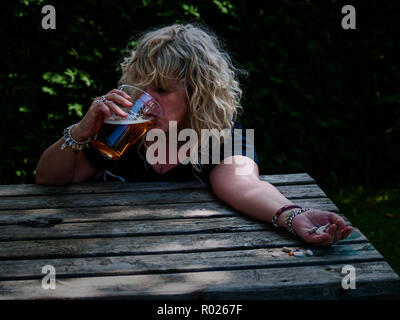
<point>238,185</point>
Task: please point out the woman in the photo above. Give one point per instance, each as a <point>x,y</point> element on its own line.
<point>184,68</point>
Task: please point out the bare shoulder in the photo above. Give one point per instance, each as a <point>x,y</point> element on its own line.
<point>233,168</point>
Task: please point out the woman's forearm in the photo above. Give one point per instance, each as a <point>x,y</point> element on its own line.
<point>258,199</point>
<point>56,166</point>
<point>249,195</point>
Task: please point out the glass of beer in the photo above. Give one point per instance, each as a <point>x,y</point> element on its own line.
<point>118,134</point>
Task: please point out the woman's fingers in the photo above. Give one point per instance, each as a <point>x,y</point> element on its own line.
<point>117,98</point>
<point>340,226</point>
<point>335,219</point>
<point>121,93</point>
<point>117,110</point>
<point>346,232</point>
<point>102,108</point>
<point>337,235</point>
<point>332,230</point>
<point>113,97</point>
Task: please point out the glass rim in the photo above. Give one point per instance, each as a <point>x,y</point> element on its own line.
<point>144,92</point>
<point>130,86</point>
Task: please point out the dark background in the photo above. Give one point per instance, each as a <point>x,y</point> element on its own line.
<point>322,100</point>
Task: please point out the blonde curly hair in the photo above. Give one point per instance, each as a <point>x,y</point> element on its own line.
<point>193,55</point>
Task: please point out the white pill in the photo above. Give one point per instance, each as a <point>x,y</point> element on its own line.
<point>322,229</point>
<point>309,252</point>
<point>298,253</point>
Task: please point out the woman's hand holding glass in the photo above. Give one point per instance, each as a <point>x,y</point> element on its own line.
<point>99,110</point>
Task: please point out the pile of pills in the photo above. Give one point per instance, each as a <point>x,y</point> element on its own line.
<point>297,252</point>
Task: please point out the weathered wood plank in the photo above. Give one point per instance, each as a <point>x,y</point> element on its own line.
<point>132,198</point>
<point>112,187</point>
<point>374,279</point>
<point>114,199</point>
<point>186,262</point>
<point>143,212</point>
<point>133,228</point>
<point>95,247</point>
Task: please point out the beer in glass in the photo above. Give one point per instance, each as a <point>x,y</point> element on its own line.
<point>118,134</point>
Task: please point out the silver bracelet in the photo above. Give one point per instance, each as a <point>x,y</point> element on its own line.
<point>290,218</point>
<point>71,142</point>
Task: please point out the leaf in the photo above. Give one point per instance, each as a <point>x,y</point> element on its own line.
<point>97,53</point>
<point>55,78</point>
<point>71,73</point>
<point>23,109</point>
<point>226,7</point>
<point>191,10</point>
<point>75,107</point>
<point>49,90</point>
<point>20,172</point>
<point>86,78</point>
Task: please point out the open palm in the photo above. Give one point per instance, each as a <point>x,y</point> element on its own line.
<point>337,231</point>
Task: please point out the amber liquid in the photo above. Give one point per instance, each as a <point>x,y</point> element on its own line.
<point>116,137</point>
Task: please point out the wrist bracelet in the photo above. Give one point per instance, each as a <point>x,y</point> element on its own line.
<point>290,218</point>
<point>278,213</point>
<point>71,142</point>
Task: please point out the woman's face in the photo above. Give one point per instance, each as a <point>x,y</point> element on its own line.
<point>174,103</point>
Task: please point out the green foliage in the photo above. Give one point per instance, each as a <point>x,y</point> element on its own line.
<point>376,213</point>
<point>191,10</point>
<point>75,107</point>
<point>321,99</point>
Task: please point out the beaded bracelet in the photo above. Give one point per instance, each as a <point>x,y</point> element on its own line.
<point>278,213</point>
<point>290,218</point>
<point>71,142</point>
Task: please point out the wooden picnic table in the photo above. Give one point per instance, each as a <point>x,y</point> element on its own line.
<point>172,241</point>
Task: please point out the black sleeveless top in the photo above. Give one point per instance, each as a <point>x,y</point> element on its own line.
<point>133,167</point>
